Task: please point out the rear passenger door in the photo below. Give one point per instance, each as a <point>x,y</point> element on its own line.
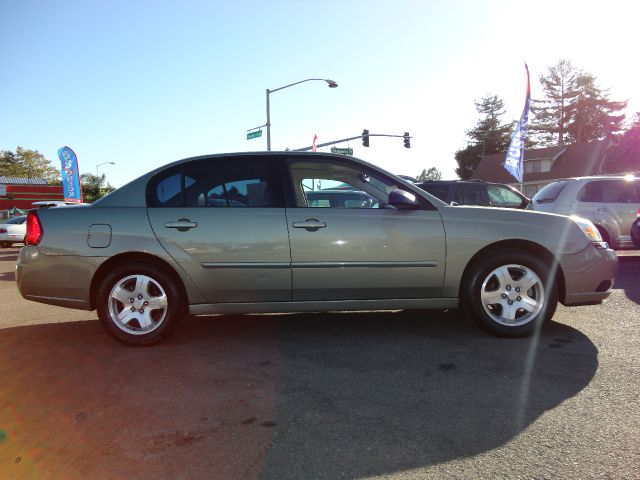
<point>223,220</point>
<point>470,194</point>
<point>615,205</point>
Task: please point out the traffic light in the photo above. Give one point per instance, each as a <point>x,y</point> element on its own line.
<point>407,140</point>
<point>365,138</point>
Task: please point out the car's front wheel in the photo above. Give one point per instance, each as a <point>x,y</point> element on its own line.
<point>139,304</point>
<point>510,293</point>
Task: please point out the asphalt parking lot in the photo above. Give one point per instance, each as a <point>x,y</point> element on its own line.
<point>394,395</point>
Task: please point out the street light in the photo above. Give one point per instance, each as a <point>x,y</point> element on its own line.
<point>331,84</point>
<point>103,163</point>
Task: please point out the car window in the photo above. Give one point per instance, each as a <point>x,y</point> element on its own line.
<point>610,191</point>
<point>337,185</point>
<point>503,197</point>
<point>469,195</point>
<point>437,190</point>
<point>550,193</point>
<point>220,182</point>
<point>339,198</point>
<point>16,220</point>
<point>237,182</point>
<point>168,191</point>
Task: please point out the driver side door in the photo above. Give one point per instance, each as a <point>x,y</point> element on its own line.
<point>366,252</point>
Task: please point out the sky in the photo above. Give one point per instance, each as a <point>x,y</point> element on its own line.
<point>144,83</point>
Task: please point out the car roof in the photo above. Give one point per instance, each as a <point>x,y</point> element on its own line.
<point>134,194</point>
<point>599,177</point>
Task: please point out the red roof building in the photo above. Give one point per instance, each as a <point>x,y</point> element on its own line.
<point>22,192</point>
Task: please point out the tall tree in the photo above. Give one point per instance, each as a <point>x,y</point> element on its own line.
<point>432,174</point>
<point>574,108</point>
<point>94,187</point>
<point>489,135</point>
<point>551,115</point>
<point>624,154</point>
<point>593,116</point>
<point>27,164</point>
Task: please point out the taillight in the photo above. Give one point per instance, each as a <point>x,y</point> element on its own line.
<point>34,228</point>
<point>638,214</point>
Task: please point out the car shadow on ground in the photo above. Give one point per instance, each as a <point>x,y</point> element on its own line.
<point>8,256</point>
<point>276,396</point>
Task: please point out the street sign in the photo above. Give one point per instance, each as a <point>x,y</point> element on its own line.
<point>256,134</point>
<point>342,151</point>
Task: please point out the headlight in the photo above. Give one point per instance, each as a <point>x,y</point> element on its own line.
<point>588,228</point>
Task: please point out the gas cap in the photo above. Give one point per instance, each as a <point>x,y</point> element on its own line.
<point>99,235</point>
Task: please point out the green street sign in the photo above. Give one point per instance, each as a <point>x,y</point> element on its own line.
<point>256,134</point>
<point>342,151</point>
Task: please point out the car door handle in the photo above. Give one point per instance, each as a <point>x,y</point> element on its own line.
<point>603,209</point>
<point>182,225</point>
<point>311,224</point>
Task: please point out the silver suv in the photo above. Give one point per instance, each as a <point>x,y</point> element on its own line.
<point>610,202</point>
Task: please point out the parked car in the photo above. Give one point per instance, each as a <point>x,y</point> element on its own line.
<point>635,231</point>
<point>155,249</point>
<point>13,231</point>
<point>610,202</point>
<point>476,192</point>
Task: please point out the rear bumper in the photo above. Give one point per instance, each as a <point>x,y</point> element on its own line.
<point>588,275</point>
<point>56,279</point>
<point>11,237</point>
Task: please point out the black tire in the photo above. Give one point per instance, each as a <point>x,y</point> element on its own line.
<point>635,233</point>
<point>5,244</point>
<point>605,236</point>
<point>494,317</point>
<point>142,325</point>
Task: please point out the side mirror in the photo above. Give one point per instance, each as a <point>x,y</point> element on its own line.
<point>403,200</point>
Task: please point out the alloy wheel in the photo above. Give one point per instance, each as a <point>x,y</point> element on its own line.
<point>512,295</point>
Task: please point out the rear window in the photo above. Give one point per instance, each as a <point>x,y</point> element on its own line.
<point>17,220</point>
<point>550,193</point>
<point>611,191</point>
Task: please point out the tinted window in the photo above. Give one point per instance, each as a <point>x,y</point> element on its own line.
<point>610,191</point>
<point>168,191</point>
<point>165,189</point>
<point>437,190</point>
<point>232,182</point>
<point>469,195</point>
<point>550,193</point>
<point>17,220</point>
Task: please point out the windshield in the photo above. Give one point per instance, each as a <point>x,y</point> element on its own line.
<point>550,193</point>
<point>17,220</point>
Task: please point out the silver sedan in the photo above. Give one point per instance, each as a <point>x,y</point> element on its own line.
<point>238,233</point>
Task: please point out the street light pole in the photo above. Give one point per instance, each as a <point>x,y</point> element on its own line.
<point>331,84</point>
<point>103,163</point>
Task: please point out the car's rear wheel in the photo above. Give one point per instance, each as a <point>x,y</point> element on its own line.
<point>139,304</point>
<point>605,236</point>
<point>635,233</point>
<point>510,293</point>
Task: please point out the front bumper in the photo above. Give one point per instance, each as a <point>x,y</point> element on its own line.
<point>588,275</point>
